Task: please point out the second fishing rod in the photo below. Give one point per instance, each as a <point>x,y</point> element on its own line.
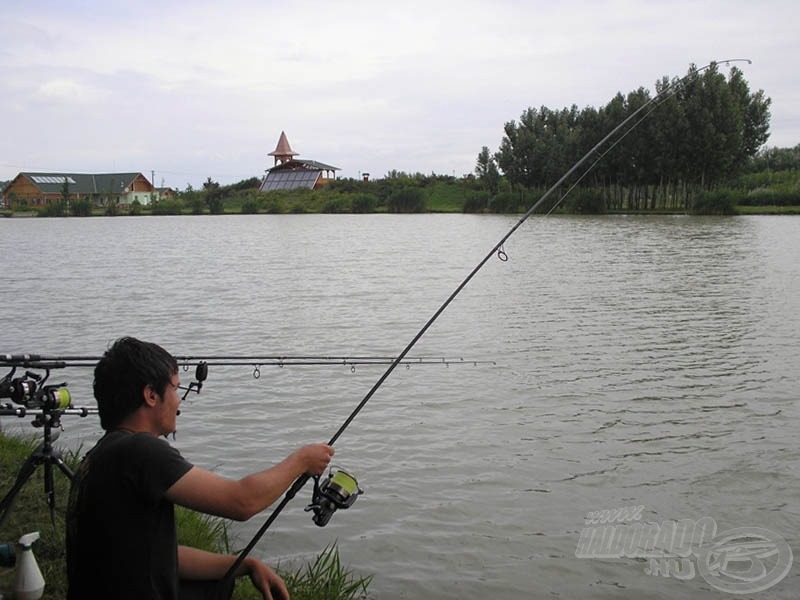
<point>349,488</point>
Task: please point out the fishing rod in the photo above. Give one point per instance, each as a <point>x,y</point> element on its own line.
<point>34,361</point>
<point>341,494</point>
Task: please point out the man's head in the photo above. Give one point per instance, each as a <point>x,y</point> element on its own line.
<point>121,376</point>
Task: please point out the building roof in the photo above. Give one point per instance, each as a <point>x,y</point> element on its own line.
<point>300,163</point>
<point>283,149</point>
<point>290,179</point>
<point>82,183</point>
<point>294,174</point>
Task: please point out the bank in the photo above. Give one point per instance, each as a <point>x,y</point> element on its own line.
<point>322,577</point>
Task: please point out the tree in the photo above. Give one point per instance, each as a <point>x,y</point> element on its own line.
<point>522,149</point>
<point>703,129</point>
<point>487,172</point>
<point>213,197</point>
<point>754,109</point>
<point>65,192</point>
<point>773,159</point>
<point>725,125</point>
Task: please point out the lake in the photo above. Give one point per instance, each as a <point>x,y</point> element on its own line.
<point>611,362</point>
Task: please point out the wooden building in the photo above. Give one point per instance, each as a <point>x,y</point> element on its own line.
<point>291,173</point>
<point>43,189</point>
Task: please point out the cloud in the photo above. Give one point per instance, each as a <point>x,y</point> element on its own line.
<point>68,91</point>
<point>201,87</point>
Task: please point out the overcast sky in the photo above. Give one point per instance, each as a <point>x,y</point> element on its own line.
<point>197,89</point>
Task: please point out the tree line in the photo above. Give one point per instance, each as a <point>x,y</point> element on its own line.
<point>700,148</point>
<point>701,133</point>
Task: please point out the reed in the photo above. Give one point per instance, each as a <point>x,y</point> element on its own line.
<point>326,579</point>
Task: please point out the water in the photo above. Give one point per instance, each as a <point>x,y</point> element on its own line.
<point>639,361</point>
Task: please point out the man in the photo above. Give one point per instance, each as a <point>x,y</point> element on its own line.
<point>121,540</point>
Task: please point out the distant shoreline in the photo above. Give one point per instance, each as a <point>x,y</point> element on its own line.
<point>741,211</point>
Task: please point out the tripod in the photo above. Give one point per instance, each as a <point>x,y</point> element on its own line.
<point>44,454</point>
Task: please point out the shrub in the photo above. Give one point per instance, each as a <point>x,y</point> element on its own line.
<point>771,197</point>
<point>81,208</point>
<point>504,202</point>
<point>476,202</point>
<point>721,202</point>
<point>216,204</point>
<point>335,206</point>
<point>363,203</point>
<point>57,209</point>
<point>407,200</point>
<point>250,206</point>
<point>274,206</point>
<point>586,201</point>
<point>112,208</point>
<point>167,207</point>
<point>197,205</point>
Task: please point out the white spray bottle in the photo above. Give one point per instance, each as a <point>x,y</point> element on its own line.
<point>29,583</point>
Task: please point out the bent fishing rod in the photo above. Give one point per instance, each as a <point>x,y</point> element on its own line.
<point>350,490</point>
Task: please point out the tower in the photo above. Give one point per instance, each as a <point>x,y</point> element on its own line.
<point>283,151</point>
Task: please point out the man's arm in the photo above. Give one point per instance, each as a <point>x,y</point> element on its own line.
<point>199,564</point>
<point>239,500</point>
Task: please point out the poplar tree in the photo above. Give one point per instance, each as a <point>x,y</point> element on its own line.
<point>697,136</point>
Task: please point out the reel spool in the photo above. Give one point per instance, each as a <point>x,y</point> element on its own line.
<point>339,490</point>
<point>31,392</point>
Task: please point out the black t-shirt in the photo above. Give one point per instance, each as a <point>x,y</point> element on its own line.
<point>121,540</point>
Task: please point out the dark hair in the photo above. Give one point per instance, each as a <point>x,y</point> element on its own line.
<point>123,372</point>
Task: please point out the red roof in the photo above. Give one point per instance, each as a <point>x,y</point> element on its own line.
<point>283,148</point>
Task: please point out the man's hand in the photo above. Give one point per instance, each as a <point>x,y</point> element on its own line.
<point>266,580</point>
<point>315,457</point>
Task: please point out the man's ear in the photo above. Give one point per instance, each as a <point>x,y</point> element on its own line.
<point>150,396</point>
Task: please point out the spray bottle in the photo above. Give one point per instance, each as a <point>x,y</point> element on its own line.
<point>29,583</point>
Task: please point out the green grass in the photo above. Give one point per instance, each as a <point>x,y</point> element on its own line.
<point>446,197</point>
<point>31,513</point>
<point>324,578</point>
<point>767,210</point>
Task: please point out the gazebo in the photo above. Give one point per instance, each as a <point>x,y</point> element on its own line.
<point>290,172</point>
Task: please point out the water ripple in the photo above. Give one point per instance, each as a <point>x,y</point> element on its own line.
<point>639,361</point>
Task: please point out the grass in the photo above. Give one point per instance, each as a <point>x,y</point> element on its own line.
<point>767,210</point>
<point>31,513</point>
<point>446,197</point>
<point>323,579</point>
<point>326,579</point>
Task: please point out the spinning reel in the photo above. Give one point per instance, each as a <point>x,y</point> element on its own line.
<point>31,392</point>
<point>339,490</point>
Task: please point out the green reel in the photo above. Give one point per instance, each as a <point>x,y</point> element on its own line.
<point>339,490</point>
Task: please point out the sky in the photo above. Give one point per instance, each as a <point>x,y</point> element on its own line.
<point>186,90</point>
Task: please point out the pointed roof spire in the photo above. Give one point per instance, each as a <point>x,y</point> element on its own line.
<point>283,151</point>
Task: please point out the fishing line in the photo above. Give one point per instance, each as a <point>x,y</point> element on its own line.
<point>497,250</point>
